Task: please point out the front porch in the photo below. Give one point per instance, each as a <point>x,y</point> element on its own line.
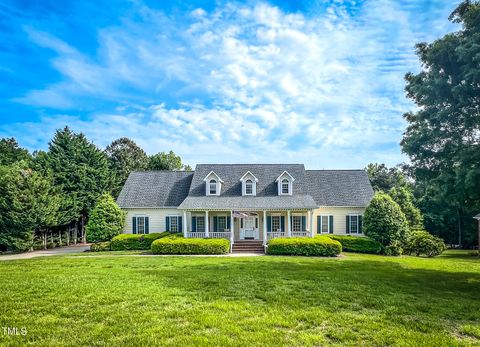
<point>254,225</point>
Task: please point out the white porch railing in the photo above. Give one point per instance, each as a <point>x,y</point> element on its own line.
<point>220,235</point>
<point>196,235</point>
<point>275,235</point>
<point>300,233</point>
<point>211,235</point>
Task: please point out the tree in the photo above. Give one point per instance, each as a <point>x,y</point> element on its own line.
<point>106,220</point>
<point>383,178</point>
<point>81,172</point>
<point>166,161</point>
<point>124,157</point>
<point>404,198</point>
<point>28,203</point>
<point>384,221</point>
<point>442,137</point>
<point>11,153</point>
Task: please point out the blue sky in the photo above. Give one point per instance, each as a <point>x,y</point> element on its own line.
<point>314,82</point>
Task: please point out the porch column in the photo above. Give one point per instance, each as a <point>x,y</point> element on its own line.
<point>207,234</point>
<point>264,227</point>
<point>289,226</point>
<point>232,228</point>
<point>311,222</point>
<point>184,223</point>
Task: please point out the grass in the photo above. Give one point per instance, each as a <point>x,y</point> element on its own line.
<point>126,300</point>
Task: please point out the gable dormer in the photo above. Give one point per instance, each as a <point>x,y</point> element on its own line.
<point>213,184</point>
<point>285,183</point>
<point>249,184</point>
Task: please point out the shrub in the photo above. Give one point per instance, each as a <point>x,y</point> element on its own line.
<point>395,249</point>
<point>358,244</point>
<point>317,246</point>
<point>125,242</point>
<point>421,242</point>
<point>106,220</point>
<point>100,246</point>
<point>178,245</point>
<point>384,221</point>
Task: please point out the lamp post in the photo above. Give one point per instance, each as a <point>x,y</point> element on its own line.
<point>477,217</point>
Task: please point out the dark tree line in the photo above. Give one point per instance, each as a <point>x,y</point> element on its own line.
<point>46,197</point>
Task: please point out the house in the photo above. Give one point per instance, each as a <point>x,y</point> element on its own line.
<point>246,201</point>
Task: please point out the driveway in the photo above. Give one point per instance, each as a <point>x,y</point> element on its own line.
<point>46,253</point>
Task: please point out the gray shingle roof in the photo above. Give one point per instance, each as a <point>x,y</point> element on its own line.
<point>186,190</point>
<point>155,189</point>
<point>339,187</point>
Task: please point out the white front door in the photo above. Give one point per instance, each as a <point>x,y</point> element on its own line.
<point>249,230</point>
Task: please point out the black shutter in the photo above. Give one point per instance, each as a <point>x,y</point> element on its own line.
<point>330,224</point>
<point>180,224</point>
<point>147,228</point>
<point>360,224</point>
<point>319,224</point>
<point>167,223</point>
<point>134,225</point>
<point>215,224</point>
<point>348,225</point>
<point>194,224</point>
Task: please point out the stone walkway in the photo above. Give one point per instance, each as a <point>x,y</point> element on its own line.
<point>46,253</point>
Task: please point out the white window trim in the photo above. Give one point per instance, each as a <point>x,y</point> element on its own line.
<point>280,187</point>
<point>279,216</point>
<point>196,223</point>
<point>209,186</point>
<point>226,221</point>
<point>249,176</point>
<point>321,224</point>
<point>358,224</point>
<point>289,178</point>
<point>299,216</point>
<point>136,222</point>
<point>170,221</point>
<point>212,176</point>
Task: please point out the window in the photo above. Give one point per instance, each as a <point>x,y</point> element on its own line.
<point>285,186</point>
<point>200,224</point>
<point>221,223</point>
<point>324,224</point>
<point>174,224</point>
<point>276,224</point>
<point>213,187</point>
<point>354,224</point>
<point>296,223</point>
<point>140,225</point>
<point>248,187</point>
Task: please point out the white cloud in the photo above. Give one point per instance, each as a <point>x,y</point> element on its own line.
<point>251,83</point>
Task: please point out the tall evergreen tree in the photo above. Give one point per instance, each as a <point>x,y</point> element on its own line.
<point>10,152</point>
<point>81,172</point>
<point>124,156</point>
<point>443,136</point>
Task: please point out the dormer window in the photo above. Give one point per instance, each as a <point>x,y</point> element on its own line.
<point>248,187</point>
<point>249,184</point>
<point>213,184</point>
<point>285,183</point>
<point>213,187</point>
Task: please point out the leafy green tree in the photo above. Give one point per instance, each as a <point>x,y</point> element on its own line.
<point>11,153</point>
<point>124,156</point>
<point>79,169</point>
<point>106,220</point>
<point>404,198</point>
<point>384,221</point>
<point>442,135</point>
<point>383,178</point>
<point>166,161</point>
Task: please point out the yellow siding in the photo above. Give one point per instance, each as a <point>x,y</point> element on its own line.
<point>339,217</point>
<point>156,218</point>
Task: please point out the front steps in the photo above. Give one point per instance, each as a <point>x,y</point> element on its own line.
<point>246,246</point>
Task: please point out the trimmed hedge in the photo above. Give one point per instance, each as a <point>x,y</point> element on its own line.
<point>125,242</point>
<point>358,244</point>
<point>177,245</point>
<point>100,246</point>
<point>317,246</point>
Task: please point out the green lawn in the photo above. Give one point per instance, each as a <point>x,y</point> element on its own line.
<point>126,300</point>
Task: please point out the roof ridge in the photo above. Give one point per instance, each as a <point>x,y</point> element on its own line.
<point>336,170</point>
